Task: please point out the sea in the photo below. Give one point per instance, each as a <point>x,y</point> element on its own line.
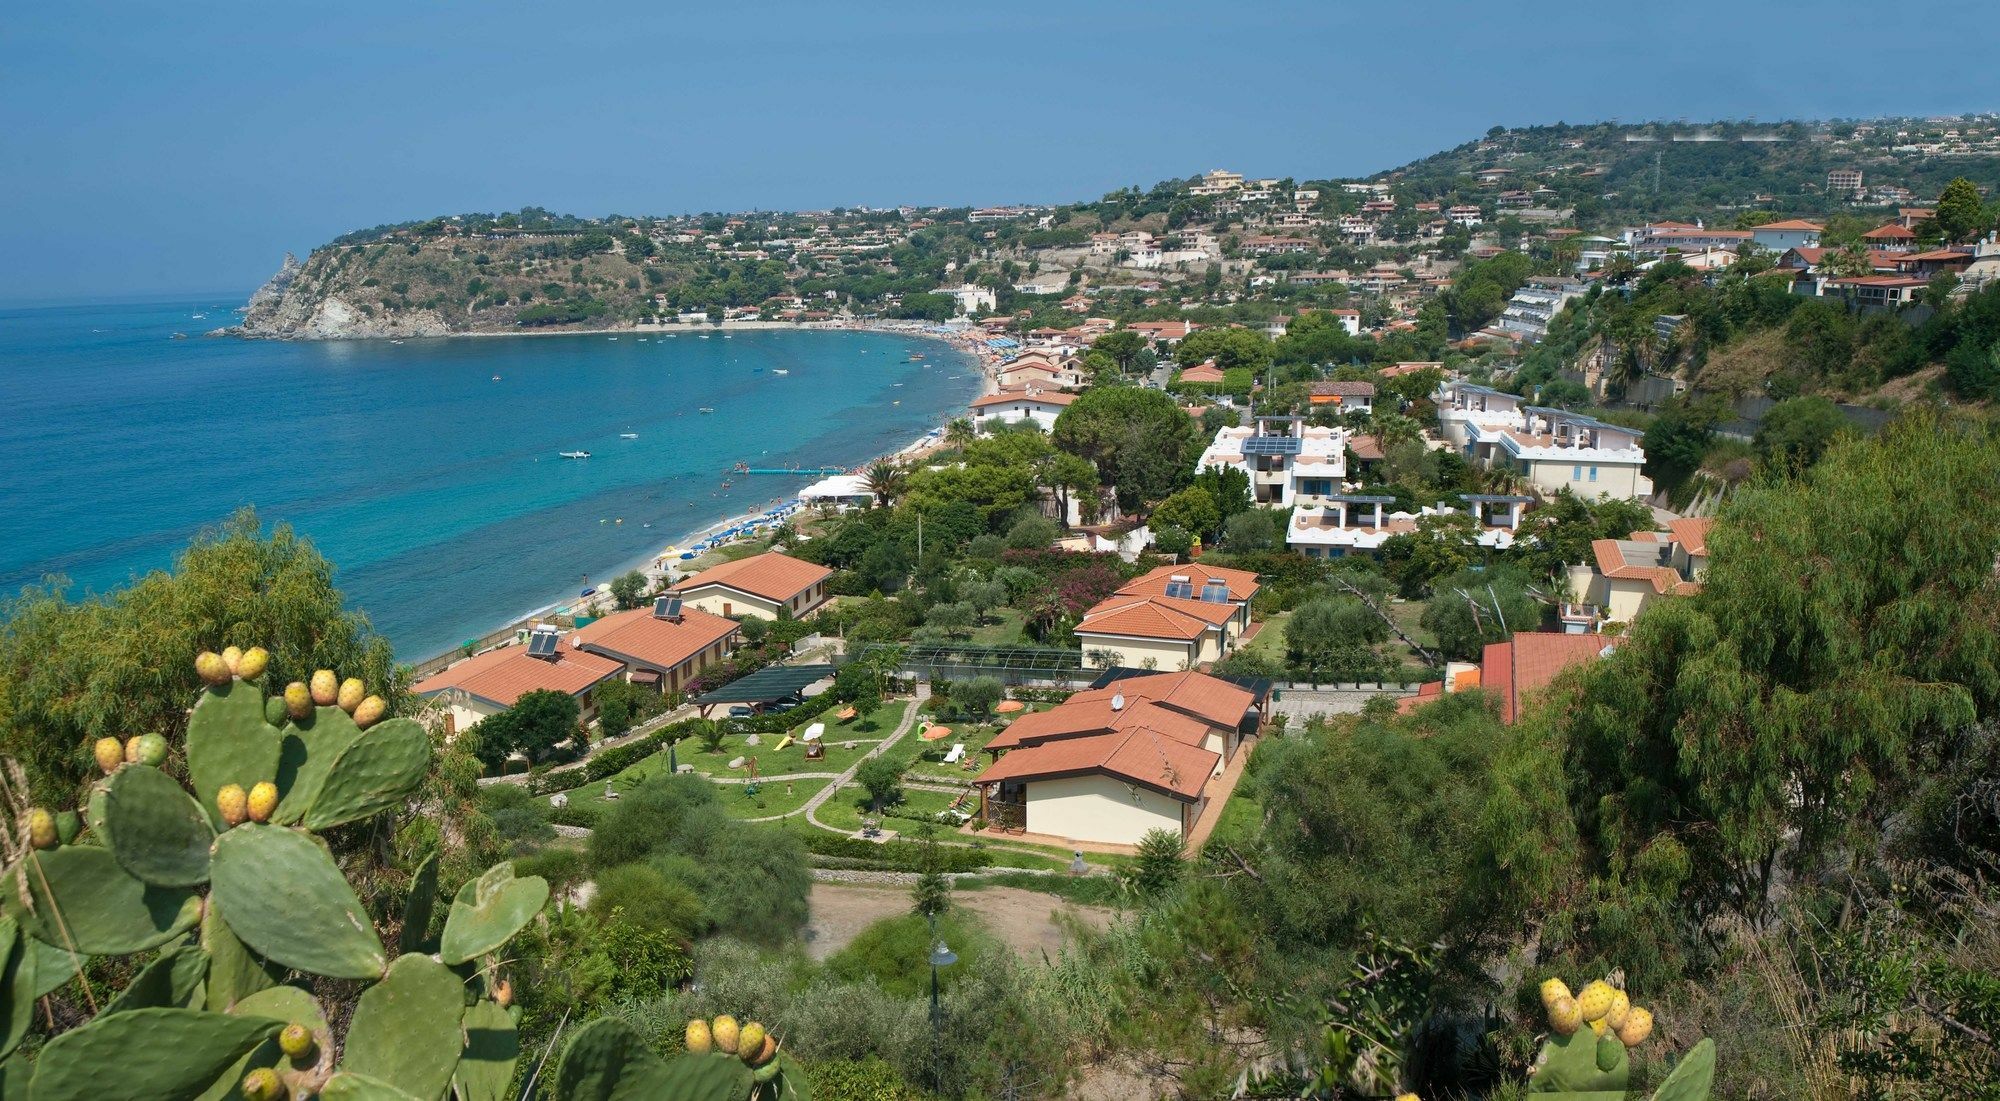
<point>428,470</point>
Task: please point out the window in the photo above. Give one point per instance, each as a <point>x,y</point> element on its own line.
<point>1576,475</point>
<point>1593,473</point>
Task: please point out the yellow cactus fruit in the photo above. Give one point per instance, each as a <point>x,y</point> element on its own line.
<point>263,801</point>
<point>261,1084</point>
<point>1565,1017</point>
<point>350,694</point>
<point>131,749</point>
<point>1595,999</point>
<point>1553,989</point>
<point>1408,1097</point>
<point>370,712</point>
<point>296,1041</point>
<point>212,668</point>
<point>750,1043</point>
<point>233,804</point>
<point>1598,1027</point>
<point>253,663</point>
<point>325,687</point>
<point>726,1034</point>
<point>298,700</point>
<point>232,657</point>
<point>767,1053</point>
<point>1638,1025</point>
<point>42,829</point>
<point>699,1040</point>
<point>110,753</point>
<point>503,993</point>
<point>1620,1006</point>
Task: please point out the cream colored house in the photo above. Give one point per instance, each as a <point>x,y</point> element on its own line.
<point>1554,450</point>
<point>1112,763</point>
<point>489,683</point>
<point>1174,618</point>
<point>762,585</point>
<point>1624,576</point>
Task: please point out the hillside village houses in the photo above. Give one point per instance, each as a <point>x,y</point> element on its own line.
<point>1624,576</point>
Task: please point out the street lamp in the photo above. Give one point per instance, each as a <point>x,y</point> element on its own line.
<point>941,956</point>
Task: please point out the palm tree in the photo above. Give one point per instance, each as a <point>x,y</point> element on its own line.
<point>959,432</point>
<point>886,481</point>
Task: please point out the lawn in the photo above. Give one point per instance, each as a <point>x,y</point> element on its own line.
<point>928,761</point>
<point>1270,640</point>
<point>773,797</point>
<point>844,810</point>
<point>1007,629</point>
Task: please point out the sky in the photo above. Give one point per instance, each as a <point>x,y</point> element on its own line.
<point>151,148</point>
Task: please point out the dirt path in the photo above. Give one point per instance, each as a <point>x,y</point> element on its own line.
<point>1022,920</point>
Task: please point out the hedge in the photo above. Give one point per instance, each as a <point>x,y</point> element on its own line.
<point>901,856</point>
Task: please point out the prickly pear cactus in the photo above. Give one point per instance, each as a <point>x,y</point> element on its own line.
<point>1587,1056</point>
<point>248,910</point>
<point>609,1061</point>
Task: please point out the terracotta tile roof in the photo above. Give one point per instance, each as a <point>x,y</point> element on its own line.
<point>503,676</point>
<point>1242,583</point>
<point>1213,700</point>
<point>638,636</point>
<point>1202,373</point>
<point>1890,232</point>
<point>770,575</point>
<point>1140,617</point>
<point>1138,755</point>
<point>1611,562</point>
<point>1343,389</point>
<point>1529,662</point>
<point>1365,448</point>
<point>1046,397</point>
<point>1792,223</point>
<point>1083,718</point>
<point>1692,533</point>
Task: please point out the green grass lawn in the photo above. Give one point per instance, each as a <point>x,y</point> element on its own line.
<point>772,797</point>
<point>928,761</point>
<point>1005,630</point>
<point>844,811</point>
<point>1270,641</point>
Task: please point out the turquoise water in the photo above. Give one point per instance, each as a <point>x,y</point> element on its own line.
<point>435,489</point>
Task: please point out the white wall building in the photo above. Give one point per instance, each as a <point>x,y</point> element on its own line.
<point>1289,462</point>
<point>972,299</point>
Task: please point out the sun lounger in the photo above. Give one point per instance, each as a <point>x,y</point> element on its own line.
<point>956,755</point>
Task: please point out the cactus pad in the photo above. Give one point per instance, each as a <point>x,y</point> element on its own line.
<point>608,1060</point>
<point>418,906</point>
<point>1569,1066</point>
<point>378,772</point>
<point>182,1051</point>
<point>171,981</point>
<point>287,900</point>
<point>307,754</point>
<point>1692,1076</point>
<point>228,742</point>
<point>105,911</point>
<point>348,1086</point>
<point>233,973</point>
<point>486,1067</point>
<point>165,833</point>
<point>405,1030</point>
<point>490,910</point>
<point>711,1077</point>
<point>53,966</point>
<point>17,986</point>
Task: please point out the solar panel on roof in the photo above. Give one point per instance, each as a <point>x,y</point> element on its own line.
<point>542,644</point>
<point>667,607</point>
<point>1272,445</point>
<point>1215,592</point>
<point>1180,588</point>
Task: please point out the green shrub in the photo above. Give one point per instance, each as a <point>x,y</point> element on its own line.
<point>641,895</point>
<point>868,1079</point>
<point>895,953</point>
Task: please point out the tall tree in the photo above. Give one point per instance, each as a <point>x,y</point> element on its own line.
<point>73,670</point>
<point>1961,214</point>
<point>1142,442</point>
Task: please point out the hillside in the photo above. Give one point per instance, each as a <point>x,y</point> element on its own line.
<point>1180,245</point>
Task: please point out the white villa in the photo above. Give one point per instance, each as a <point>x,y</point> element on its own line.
<point>1350,524</point>
<point>1551,449</point>
<point>1289,462</point>
<point>1035,404</point>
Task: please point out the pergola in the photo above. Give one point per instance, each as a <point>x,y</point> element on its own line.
<point>1010,664</point>
<point>765,687</point>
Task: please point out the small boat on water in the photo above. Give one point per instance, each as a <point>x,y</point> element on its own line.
<point>395,342</point>
<point>706,409</point>
<point>574,454</point>
<point>780,371</point>
<point>916,359</point>
<point>180,336</point>
<point>628,435</point>
<point>496,378</point>
<point>611,338</point>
